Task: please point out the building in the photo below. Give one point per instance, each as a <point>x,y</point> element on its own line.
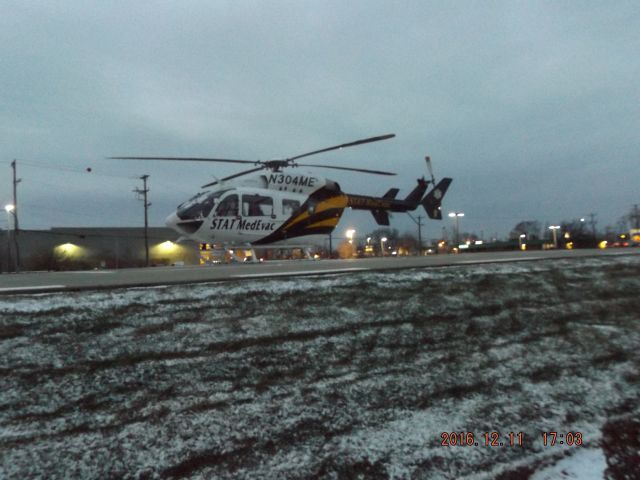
<point>95,248</point>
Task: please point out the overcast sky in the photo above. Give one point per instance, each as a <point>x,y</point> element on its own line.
<point>532,107</point>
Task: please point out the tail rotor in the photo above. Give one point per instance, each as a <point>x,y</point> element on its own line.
<point>429,167</point>
<point>432,202</point>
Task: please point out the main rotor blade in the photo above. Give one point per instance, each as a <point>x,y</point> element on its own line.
<point>187,159</point>
<point>363,170</point>
<point>246,172</point>
<point>345,145</point>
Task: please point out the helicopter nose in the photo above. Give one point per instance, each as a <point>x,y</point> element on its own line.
<point>183,227</point>
<point>172,221</point>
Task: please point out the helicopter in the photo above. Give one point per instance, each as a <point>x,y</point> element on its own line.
<point>271,207</point>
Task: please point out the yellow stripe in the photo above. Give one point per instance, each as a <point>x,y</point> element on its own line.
<point>339,201</point>
<point>299,218</point>
<point>329,222</point>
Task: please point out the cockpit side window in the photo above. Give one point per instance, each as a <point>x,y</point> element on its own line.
<point>228,207</point>
<point>199,206</point>
<point>257,205</point>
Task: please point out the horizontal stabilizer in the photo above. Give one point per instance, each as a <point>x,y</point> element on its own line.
<point>381,216</point>
<point>432,202</point>
<point>391,194</point>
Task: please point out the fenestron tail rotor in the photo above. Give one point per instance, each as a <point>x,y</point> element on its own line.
<point>430,168</point>
<point>273,165</point>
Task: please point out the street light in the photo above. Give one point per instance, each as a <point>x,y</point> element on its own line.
<point>523,246</point>
<point>457,215</point>
<point>10,209</point>
<point>350,233</point>
<point>382,242</point>
<point>554,229</point>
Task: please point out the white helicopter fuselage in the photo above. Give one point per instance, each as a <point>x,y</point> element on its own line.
<point>250,211</point>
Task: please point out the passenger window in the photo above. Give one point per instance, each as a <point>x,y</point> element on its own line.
<point>228,207</point>
<point>290,206</point>
<point>257,206</point>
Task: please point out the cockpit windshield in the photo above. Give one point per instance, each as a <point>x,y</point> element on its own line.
<point>199,206</point>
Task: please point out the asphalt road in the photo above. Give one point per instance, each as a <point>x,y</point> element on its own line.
<point>33,282</point>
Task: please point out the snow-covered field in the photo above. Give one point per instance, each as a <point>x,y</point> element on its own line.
<point>344,376</point>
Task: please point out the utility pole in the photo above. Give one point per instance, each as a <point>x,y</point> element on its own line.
<point>592,222</point>
<point>420,234</point>
<point>418,222</point>
<point>144,192</point>
<point>16,225</point>
<point>634,216</point>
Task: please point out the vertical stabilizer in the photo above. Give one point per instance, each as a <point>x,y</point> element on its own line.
<point>391,194</point>
<point>432,202</point>
<point>416,194</point>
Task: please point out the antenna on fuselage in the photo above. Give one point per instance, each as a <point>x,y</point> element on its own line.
<point>217,181</point>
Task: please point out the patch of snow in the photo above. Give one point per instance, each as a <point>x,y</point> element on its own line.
<point>584,464</point>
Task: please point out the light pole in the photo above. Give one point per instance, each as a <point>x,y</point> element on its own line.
<point>456,216</point>
<point>383,240</point>
<point>10,209</point>
<point>554,229</point>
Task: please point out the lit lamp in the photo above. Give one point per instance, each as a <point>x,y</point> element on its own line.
<point>523,246</point>
<point>382,242</point>
<point>368,249</point>
<point>456,216</point>
<point>350,233</point>
<point>168,246</point>
<point>68,249</point>
<point>9,208</point>
<point>11,225</point>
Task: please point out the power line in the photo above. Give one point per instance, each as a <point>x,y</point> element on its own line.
<point>89,171</point>
<point>84,171</point>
